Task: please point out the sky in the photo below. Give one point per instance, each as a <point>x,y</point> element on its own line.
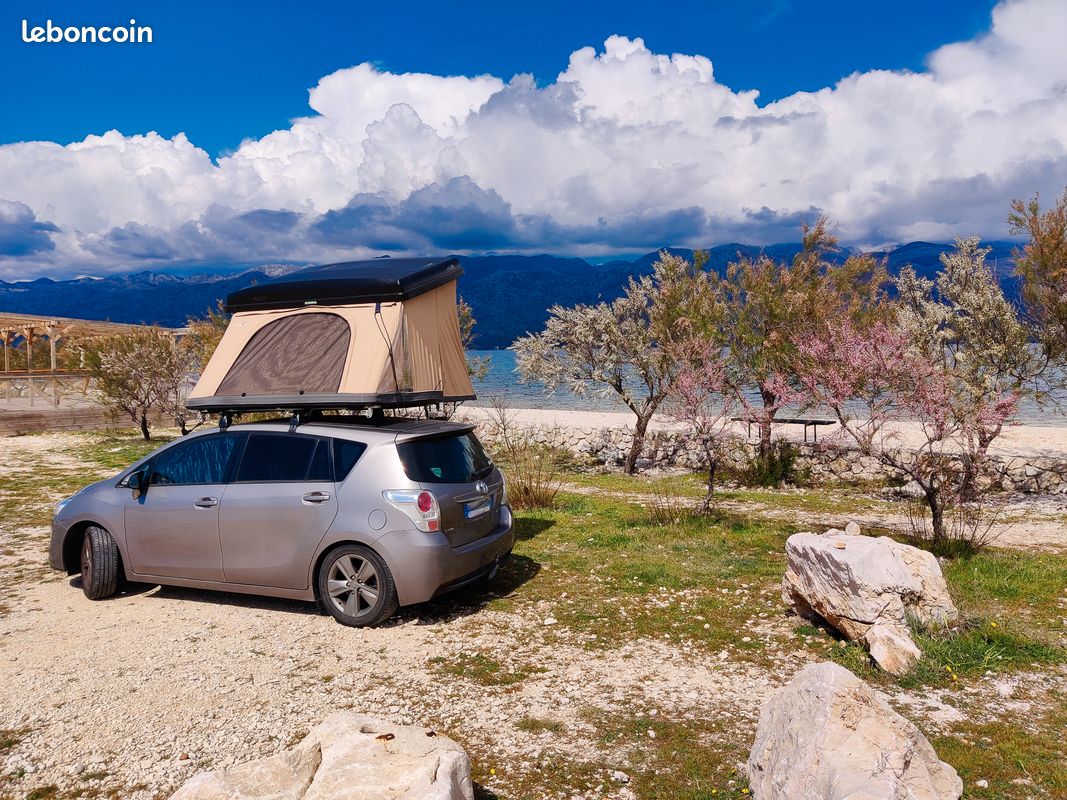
<point>251,132</point>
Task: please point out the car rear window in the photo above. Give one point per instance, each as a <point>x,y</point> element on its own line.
<point>445,459</point>
<point>281,457</point>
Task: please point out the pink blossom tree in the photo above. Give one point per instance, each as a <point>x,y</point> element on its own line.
<point>874,379</point>
<point>697,398</point>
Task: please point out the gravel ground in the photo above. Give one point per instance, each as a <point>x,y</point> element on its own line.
<point>142,690</point>
<point>128,697</point>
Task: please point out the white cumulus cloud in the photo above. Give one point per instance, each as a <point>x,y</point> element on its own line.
<point>625,149</point>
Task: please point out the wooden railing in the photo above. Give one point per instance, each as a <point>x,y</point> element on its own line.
<point>47,384</point>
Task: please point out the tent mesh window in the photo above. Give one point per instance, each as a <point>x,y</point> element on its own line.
<point>300,353</point>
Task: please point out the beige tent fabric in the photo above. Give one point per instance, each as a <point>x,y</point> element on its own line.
<point>421,334</point>
<point>297,353</point>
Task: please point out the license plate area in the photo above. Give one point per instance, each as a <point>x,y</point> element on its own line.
<point>477,509</point>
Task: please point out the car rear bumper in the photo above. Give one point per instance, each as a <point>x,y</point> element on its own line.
<point>425,565</point>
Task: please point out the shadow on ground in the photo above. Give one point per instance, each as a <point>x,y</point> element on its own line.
<point>469,600</point>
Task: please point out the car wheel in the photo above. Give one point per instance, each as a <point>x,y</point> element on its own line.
<point>100,564</point>
<point>357,587</point>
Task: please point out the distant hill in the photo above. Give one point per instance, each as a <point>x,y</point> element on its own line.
<point>509,295</point>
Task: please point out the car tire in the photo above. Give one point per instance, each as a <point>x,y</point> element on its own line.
<point>356,586</point>
<point>100,564</point>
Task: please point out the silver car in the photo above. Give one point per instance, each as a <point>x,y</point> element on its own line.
<point>361,516</point>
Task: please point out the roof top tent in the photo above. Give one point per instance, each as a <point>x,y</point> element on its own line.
<point>381,333</point>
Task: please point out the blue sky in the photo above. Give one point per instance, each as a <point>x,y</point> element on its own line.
<point>225,71</point>
<point>270,132</point>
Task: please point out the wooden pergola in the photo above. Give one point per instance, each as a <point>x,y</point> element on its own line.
<point>32,329</point>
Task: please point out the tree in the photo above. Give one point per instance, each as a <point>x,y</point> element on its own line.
<point>140,372</point>
<point>769,306</point>
<point>1042,265</point>
<point>964,325</point>
<point>609,349</point>
<point>204,334</point>
<point>697,398</point>
<point>476,367</point>
<point>954,359</point>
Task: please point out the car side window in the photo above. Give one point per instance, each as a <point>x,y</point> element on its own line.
<point>203,460</point>
<point>271,457</point>
<point>345,455</point>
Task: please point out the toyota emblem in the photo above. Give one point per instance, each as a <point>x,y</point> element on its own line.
<point>481,487</point>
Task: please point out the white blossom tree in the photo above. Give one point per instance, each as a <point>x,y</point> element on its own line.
<point>138,373</point>
<point>609,349</point>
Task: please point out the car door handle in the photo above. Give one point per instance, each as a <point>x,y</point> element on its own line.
<point>206,502</point>
<point>316,497</point>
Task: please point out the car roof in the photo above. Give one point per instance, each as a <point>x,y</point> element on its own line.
<point>360,428</point>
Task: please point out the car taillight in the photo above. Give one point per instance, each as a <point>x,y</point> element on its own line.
<point>420,507</point>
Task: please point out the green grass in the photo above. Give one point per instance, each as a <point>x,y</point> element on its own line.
<point>537,725</point>
<point>9,737</point>
<point>826,500</point>
<point>482,669</point>
<point>611,574</point>
<point>1002,753</point>
<point>674,759</point>
<point>114,451</point>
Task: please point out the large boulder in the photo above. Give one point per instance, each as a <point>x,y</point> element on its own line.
<point>828,735</point>
<point>346,757</point>
<point>868,589</point>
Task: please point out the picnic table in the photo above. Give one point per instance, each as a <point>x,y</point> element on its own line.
<point>807,422</point>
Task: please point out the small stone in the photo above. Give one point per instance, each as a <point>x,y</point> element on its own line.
<point>981,784</point>
<point>852,529</point>
<point>620,777</point>
<point>550,620</point>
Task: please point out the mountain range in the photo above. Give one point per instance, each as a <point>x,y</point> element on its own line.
<point>509,295</point>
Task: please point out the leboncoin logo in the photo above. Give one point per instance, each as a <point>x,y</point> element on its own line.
<point>50,33</point>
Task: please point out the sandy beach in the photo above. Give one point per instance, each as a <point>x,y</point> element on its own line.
<point>1022,440</point>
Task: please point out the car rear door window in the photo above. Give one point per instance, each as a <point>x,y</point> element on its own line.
<point>271,457</point>
<point>345,455</point>
<point>445,459</point>
<point>203,460</point>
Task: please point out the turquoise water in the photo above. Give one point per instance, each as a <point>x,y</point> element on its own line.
<point>503,381</point>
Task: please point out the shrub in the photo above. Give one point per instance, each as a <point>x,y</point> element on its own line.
<point>666,508</point>
<point>532,468</point>
<point>968,526</point>
<point>776,468</point>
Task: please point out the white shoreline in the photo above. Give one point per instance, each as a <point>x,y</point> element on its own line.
<point>1022,440</point>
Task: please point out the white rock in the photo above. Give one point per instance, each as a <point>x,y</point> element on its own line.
<point>829,735</point>
<point>868,589</point>
<point>981,784</point>
<point>347,757</point>
<point>550,620</point>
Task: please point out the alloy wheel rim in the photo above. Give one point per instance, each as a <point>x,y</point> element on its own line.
<point>352,585</point>
<point>87,560</point>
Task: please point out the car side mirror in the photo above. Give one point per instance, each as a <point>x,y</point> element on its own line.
<point>137,482</point>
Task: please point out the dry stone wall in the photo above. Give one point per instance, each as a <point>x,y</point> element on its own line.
<point>823,462</point>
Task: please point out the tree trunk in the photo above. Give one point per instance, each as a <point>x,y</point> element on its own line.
<point>766,446</point>
<point>937,515</point>
<point>144,427</point>
<point>713,464</point>
<point>640,427</point>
